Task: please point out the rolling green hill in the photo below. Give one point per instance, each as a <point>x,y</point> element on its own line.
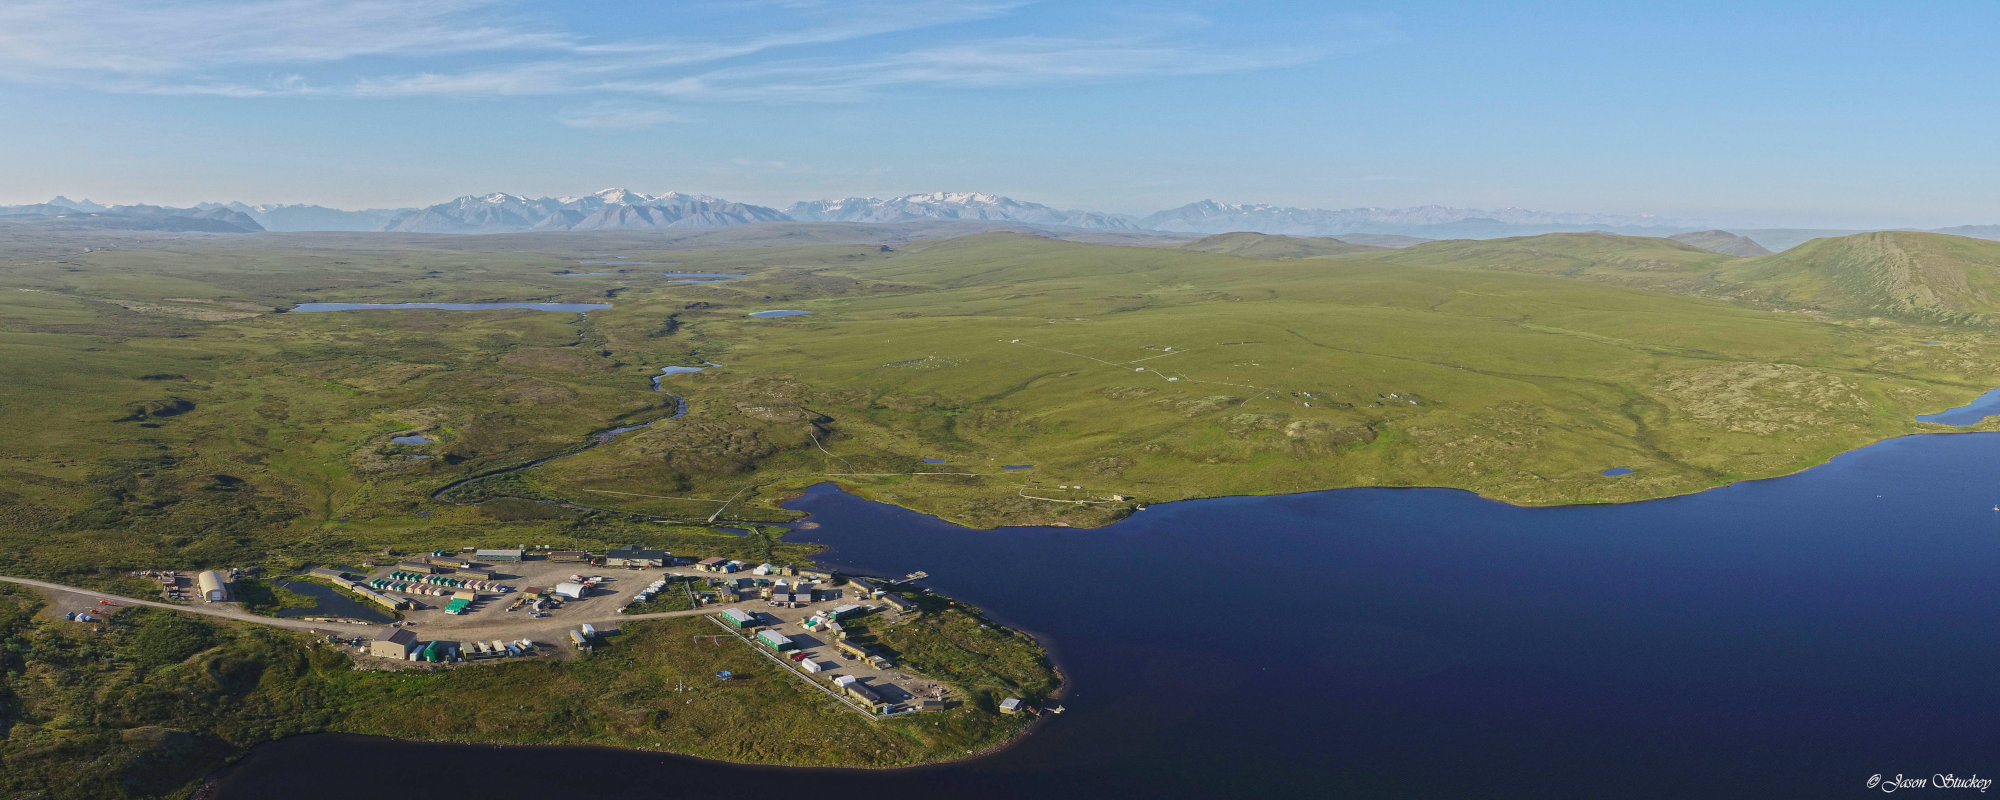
<point>1920,277</point>
<point>1723,242</point>
<point>1262,245</point>
<point>1635,261</point>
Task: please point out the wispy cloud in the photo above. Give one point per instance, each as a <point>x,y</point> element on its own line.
<point>616,116</point>
<point>376,48</point>
<point>1015,61</point>
<point>167,38</point>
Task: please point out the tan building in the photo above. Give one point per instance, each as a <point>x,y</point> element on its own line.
<point>396,645</point>
<point>214,587</point>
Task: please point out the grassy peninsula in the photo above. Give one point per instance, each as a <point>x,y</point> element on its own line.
<point>159,699</point>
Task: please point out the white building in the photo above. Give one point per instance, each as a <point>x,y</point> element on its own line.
<point>573,591</point>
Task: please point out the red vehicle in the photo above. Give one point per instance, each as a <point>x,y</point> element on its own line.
<point>798,656</point>
<point>106,603</point>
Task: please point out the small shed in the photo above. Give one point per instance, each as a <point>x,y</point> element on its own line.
<point>1011,705</point>
<point>711,564</point>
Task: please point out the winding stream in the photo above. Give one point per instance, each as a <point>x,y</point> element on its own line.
<point>598,438</point>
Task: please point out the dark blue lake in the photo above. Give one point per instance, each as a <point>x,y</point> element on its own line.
<point>1782,638</point>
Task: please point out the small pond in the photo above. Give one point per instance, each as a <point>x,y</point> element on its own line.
<point>724,275</point>
<point>783,312</point>
<point>331,604</point>
<point>307,308</point>
<point>582,274</point>
<point>414,438</point>
<point>665,371</point>
<point>1018,466</point>
<point>632,263</point>
<point>933,460</point>
<point>1616,471</point>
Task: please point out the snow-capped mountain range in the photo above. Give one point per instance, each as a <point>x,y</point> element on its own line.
<point>611,209</point>
<point>623,209</point>
<point>953,206</point>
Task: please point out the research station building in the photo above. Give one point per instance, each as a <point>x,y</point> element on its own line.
<point>396,645</point>
<point>213,585</point>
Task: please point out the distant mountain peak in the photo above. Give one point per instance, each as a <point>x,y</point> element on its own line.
<point>84,205</point>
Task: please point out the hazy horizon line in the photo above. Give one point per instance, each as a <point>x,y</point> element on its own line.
<point>1613,218</point>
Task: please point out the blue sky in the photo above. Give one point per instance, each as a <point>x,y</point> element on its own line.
<point>1742,113</point>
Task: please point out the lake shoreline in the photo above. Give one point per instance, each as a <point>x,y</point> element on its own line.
<point>861,491</point>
